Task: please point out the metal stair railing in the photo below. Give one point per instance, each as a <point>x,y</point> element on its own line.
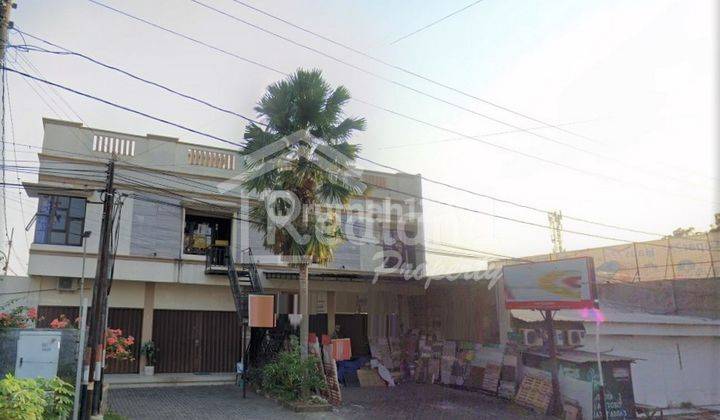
<point>253,273</point>
<point>239,296</point>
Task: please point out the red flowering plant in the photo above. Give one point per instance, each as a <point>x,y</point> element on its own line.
<point>18,317</point>
<point>62,322</point>
<point>116,346</point>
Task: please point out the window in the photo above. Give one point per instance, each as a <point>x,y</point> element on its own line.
<point>203,232</point>
<point>406,251</point>
<point>60,220</point>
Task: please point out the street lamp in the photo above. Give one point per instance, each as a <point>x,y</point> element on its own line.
<point>81,341</point>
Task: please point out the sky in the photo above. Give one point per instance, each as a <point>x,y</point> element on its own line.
<point>635,83</point>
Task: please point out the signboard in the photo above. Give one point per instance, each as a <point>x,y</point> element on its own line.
<point>261,311</point>
<point>560,284</point>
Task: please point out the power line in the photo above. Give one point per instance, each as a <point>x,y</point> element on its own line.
<point>512,219</point>
<point>127,73</point>
<point>494,133</point>
<point>435,22</point>
<point>433,81</point>
<point>155,186</point>
<point>513,203</point>
<point>195,131</point>
<point>471,210</point>
<point>41,93</point>
<point>122,107</point>
<point>429,199</point>
<point>527,155</point>
<point>368,160</point>
<point>487,214</point>
<point>49,187</point>
<point>504,217</point>
<point>423,93</point>
<point>12,134</point>
<point>189,38</point>
<point>31,66</point>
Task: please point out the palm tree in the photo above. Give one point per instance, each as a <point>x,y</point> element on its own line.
<point>307,129</point>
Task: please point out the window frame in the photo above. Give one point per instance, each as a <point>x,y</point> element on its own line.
<point>48,215</point>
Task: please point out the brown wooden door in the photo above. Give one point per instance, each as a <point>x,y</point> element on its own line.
<point>196,341</point>
<point>126,319</point>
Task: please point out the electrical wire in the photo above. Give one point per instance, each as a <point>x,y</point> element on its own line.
<point>122,107</point>
<point>368,160</point>
<point>12,134</point>
<point>512,219</point>
<point>513,203</point>
<point>476,211</point>
<point>440,84</point>
<point>190,129</point>
<point>396,113</point>
<point>67,52</point>
<point>431,96</point>
<point>435,22</point>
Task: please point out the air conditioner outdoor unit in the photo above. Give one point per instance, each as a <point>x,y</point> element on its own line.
<point>531,338</point>
<point>574,337</point>
<point>66,284</point>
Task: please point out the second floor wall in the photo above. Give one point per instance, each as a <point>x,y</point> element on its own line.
<point>172,209</point>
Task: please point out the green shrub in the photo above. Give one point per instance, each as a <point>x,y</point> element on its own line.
<point>35,399</point>
<point>58,398</point>
<point>21,399</point>
<point>290,378</point>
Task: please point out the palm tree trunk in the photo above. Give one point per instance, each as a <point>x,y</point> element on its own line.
<point>305,321</point>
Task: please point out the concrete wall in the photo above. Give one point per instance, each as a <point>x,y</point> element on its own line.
<point>671,370</point>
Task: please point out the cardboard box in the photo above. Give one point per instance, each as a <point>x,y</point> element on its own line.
<point>369,377</point>
<point>341,349</point>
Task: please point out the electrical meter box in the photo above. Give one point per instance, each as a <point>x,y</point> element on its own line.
<point>38,352</point>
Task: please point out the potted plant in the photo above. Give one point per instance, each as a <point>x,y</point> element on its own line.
<point>150,352</point>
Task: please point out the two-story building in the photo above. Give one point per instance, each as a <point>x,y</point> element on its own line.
<point>171,223</point>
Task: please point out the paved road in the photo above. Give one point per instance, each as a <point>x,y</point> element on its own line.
<point>222,402</point>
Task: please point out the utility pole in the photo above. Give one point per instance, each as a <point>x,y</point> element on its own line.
<point>555,219</point>
<point>95,349</point>
<point>556,404</point>
<point>6,7</point>
<point>7,257</point>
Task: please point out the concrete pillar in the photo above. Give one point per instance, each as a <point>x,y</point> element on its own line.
<point>330,312</point>
<point>147,324</point>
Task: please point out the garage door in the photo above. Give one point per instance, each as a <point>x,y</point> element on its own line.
<point>127,319</point>
<point>196,341</point>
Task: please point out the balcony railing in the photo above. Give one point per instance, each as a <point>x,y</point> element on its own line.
<point>216,259</point>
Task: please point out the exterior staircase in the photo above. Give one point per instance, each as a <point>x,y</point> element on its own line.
<point>263,343</point>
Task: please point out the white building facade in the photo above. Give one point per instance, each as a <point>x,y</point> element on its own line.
<point>172,212</point>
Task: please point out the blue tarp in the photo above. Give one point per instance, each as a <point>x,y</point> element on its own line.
<point>350,366</point>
